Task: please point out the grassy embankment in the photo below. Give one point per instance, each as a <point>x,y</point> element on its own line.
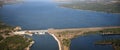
<point>9,41</point>
<point>95,6</point>
<point>66,35</point>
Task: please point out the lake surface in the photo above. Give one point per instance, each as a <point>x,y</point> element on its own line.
<point>44,14</point>
<point>87,42</point>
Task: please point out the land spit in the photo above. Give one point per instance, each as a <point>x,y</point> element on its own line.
<point>68,34</point>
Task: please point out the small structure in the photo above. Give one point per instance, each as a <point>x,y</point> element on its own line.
<point>40,33</point>
<point>17,28</point>
<point>19,33</point>
<point>28,32</point>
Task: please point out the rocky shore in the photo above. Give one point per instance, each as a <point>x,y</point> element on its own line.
<point>31,43</point>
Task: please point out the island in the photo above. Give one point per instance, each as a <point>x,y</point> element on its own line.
<point>114,42</point>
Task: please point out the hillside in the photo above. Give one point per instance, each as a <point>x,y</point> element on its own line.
<point>109,6</point>
<point>9,41</point>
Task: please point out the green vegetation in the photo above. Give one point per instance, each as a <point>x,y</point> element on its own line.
<point>5,26</point>
<point>95,6</point>
<point>11,41</point>
<point>67,36</point>
<point>66,42</point>
<point>14,43</point>
<point>67,32</point>
<point>114,42</point>
<point>91,32</point>
<point>111,31</point>
<point>5,29</point>
<point>1,38</point>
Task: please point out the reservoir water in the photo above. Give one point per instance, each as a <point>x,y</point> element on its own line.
<point>44,14</point>
<point>88,42</point>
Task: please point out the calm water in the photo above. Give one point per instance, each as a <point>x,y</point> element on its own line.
<point>87,42</point>
<point>44,14</point>
<point>44,42</point>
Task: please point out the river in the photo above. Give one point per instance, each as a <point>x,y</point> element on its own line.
<point>44,42</point>
<point>45,14</point>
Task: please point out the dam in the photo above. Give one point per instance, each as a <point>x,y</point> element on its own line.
<point>38,32</point>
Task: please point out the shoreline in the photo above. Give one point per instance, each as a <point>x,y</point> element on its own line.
<point>66,33</point>
<point>59,44</point>
<point>79,31</point>
<point>85,10</point>
<point>82,29</point>
<point>31,43</point>
<point>109,42</point>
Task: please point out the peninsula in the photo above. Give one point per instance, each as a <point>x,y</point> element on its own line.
<point>66,35</point>
<point>10,41</point>
<point>107,6</point>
